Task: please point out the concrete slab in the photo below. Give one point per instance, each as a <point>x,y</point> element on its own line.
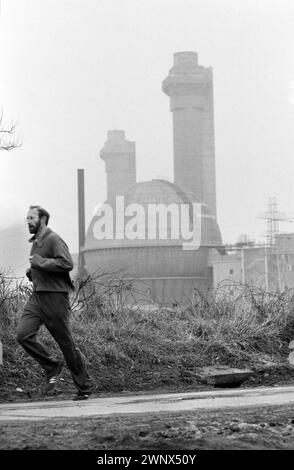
<point>291,358</point>
<point>220,375</point>
<point>173,402</point>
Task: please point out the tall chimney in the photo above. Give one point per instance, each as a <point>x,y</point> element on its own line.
<point>120,160</point>
<point>190,89</point>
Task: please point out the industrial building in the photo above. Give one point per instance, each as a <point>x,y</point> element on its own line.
<point>268,267</point>
<point>160,267</point>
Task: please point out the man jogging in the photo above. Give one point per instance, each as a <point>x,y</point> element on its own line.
<point>49,305</point>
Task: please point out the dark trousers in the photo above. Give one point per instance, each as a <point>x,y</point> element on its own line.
<point>52,309</point>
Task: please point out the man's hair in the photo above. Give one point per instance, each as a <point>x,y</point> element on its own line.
<point>42,213</point>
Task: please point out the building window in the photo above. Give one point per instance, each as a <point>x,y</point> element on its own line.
<point>231,271</point>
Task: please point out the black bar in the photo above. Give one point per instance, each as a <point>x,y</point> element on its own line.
<point>141,458</point>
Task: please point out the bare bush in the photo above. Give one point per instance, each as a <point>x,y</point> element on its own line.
<point>105,293</point>
<point>14,293</point>
<point>9,138</point>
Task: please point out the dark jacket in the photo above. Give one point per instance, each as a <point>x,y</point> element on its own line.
<point>51,263</point>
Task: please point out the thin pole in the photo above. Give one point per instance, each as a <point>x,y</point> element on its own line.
<point>279,270</point>
<point>242,266</point>
<point>266,269</point>
<point>81,218</point>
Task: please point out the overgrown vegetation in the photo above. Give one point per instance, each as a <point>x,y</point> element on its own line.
<point>132,347</point>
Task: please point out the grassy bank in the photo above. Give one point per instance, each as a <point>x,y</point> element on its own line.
<point>134,349</point>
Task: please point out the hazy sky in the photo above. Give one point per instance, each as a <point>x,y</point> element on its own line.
<point>73,69</point>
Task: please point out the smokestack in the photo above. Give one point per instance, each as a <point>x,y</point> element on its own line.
<point>120,161</point>
<point>190,88</point>
<point>81,215</point>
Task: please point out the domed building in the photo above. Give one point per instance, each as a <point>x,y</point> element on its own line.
<point>162,234</point>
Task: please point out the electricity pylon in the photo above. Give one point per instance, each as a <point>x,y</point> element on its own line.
<point>273,217</point>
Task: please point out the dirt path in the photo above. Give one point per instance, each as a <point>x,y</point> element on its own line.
<point>243,428</point>
<point>170,402</point>
<point>252,427</point>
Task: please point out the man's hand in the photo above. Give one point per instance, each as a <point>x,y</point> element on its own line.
<point>35,260</point>
<point>29,274</point>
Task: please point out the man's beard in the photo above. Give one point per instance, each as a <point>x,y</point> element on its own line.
<point>34,228</point>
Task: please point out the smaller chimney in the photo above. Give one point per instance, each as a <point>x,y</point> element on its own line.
<point>120,162</point>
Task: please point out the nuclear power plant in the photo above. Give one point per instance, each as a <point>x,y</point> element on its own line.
<point>159,266</point>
